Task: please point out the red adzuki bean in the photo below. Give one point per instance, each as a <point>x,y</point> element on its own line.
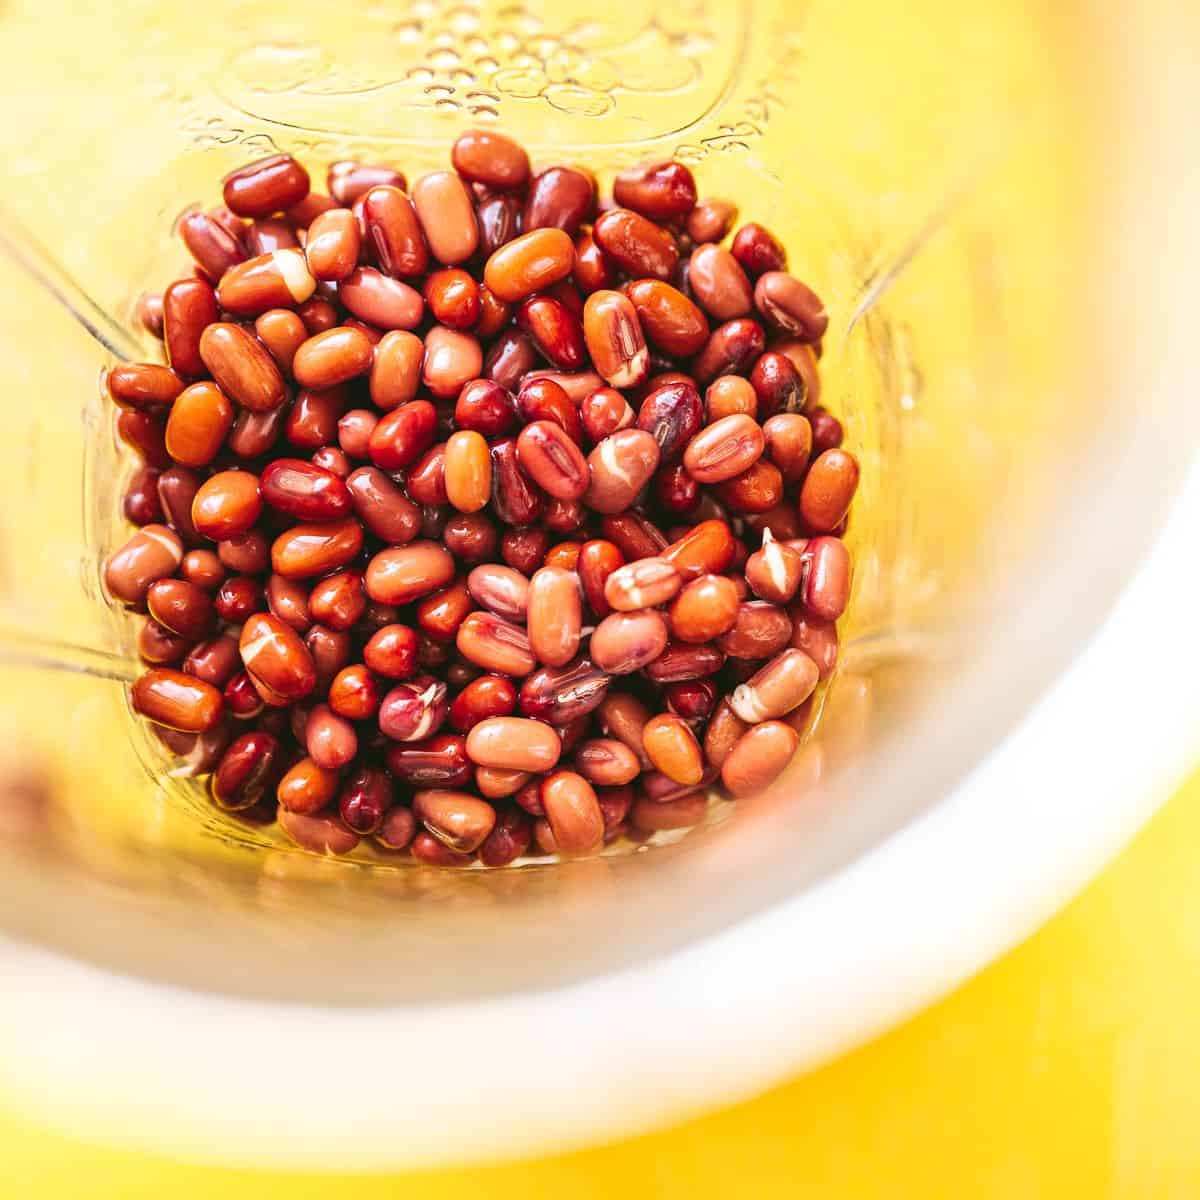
<point>486,518</point>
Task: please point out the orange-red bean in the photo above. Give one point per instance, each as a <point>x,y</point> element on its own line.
<point>381,301</point>
<point>242,367</point>
<point>189,306</point>
<point>619,467</point>
<point>607,762</point>
<point>276,658</point>
<point>528,264</point>
<point>711,220</point>
<point>176,700</point>
<point>636,245</point>
<point>719,284</point>
<point>759,757</point>
<point>775,689</point>
<point>724,449</point>
<point>483,156</point>
<point>791,305</point>
<point>513,743</point>
<point>332,357</point>
<point>283,333</point>
<point>828,489</point>
<point>305,551</point>
<point>645,583</point>
<point>447,216</point>
<point>266,186</point>
<point>817,637</point>
<point>554,616</point>
<point>396,369</point>
<point>347,180</point>
<point>614,339</point>
<point>826,587</point>
<point>451,359</point>
<point>573,812</point>
<point>457,819</point>
<point>402,574</point>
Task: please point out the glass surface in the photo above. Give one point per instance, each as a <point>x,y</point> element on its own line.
<point>934,175</point>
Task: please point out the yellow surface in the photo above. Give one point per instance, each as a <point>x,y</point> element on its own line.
<point>1069,1068</point>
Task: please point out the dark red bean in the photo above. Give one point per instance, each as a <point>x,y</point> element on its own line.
<point>661,191</point>
<point>560,695</point>
<point>214,248</point>
<point>470,537</point>
<point>426,479</point>
<point>254,433</point>
<point>827,431</point>
<point>248,554</point>
<point>189,307</point>
<point>393,231</point>
<point>248,770</point>
<point>364,801</point>
<point>486,407</point>
<point>140,503</point>
<point>555,330</point>
<point>397,828</point>
<point>143,386</point>
<point>145,434</point>
<point>758,250</point>
<point>593,272</point>
<point>403,435</point>
<point>515,499</point>
<point>347,180</point>
<point>304,491</point>
<point>508,840</point>
<point>636,245</point>
<point>730,350</point>
<point>524,549</point>
<point>267,186</point>
<point>778,386</point>
<point>559,198</point>
<point>542,399</point>
<point>438,762</point>
<point>511,355</point>
<point>634,535</point>
<point>672,414</point>
<point>159,646</point>
<point>177,491</point>
<point>499,220</point>
<point>180,607</point>
<point>680,661</point>
<point>237,598</point>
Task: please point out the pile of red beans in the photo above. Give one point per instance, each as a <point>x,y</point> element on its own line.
<point>484,518</point>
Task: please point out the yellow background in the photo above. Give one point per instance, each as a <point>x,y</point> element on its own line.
<point>1069,1068</point>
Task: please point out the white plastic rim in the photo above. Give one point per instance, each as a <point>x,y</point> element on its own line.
<point>213,1078</point>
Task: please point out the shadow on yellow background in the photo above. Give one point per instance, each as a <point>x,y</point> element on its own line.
<point>1069,1068</point>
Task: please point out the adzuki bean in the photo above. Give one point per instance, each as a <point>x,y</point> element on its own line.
<point>489,518</point>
